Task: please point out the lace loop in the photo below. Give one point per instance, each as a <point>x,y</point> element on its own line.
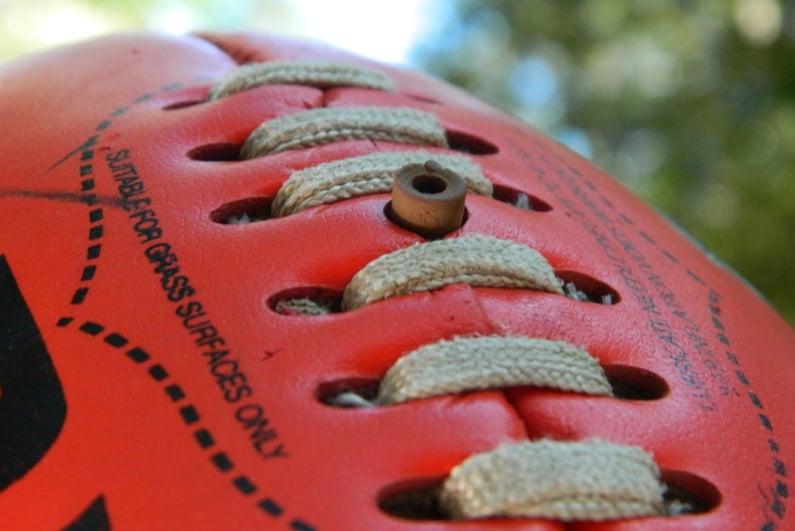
<point>369,174</point>
<point>333,124</point>
<point>315,73</point>
<point>466,364</point>
<point>476,260</point>
<point>584,480</point>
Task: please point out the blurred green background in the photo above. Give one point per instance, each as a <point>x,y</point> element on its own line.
<point>690,104</point>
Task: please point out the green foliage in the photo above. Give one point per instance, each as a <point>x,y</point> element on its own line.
<point>690,104</point>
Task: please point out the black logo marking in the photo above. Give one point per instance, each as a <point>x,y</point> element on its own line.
<point>32,404</point>
<point>94,518</point>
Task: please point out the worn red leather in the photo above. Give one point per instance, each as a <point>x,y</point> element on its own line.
<point>146,381</point>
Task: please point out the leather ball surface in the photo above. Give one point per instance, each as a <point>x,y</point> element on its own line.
<point>152,376</point>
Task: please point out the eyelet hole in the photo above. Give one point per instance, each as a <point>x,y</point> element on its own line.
<point>218,152</point>
<point>583,288</point>
<point>348,393</point>
<point>688,494</point>
<point>243,211</point>
<point>471,144</point>
<point>634,383</point>
<point>182,105</point>
<point>306,301</point>
<point>519,199</point>
<point>413,500</point>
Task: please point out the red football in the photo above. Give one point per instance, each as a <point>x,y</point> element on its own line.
<point>251,283</point>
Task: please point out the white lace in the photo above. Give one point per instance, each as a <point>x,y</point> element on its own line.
<point>316,73</point>
<point>476,260</point>
<point>583,480</point>
<point>316,127</point>
<point>468,364</point>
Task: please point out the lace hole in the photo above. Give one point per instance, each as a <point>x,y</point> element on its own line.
<point>471,144</point>
<point>243,211</point>
<point>182,105</point>
<point>306,301</point>
<point>348,393</point>
<point>581,287</point>
<point>413,500</point>
<point>218,152</point>
<point>520,199</point>
<point>633,383</point>
<point>687,493</point>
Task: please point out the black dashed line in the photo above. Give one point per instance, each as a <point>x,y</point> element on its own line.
<point>95,215</point>
<point>138,355</point>
<point>64,321</point>
<point>87,155</point>
<point>696,277</point>
<point>157,372</point>
<point>781,491</point>
<point>670,257</point>
<point>90,199</point>
<point>86,169</point>
<point>87,184</point>
<point>778,507</point>
<point>244,485</point>
<point>755,400</point>
<point>270,507</point>
<point>93,252</point>
<point>79,296</point>
<point>103,125</point>
<point>120,111</point>
<point>141,99</point>
<point>175,392</point>
<point>300,525</point>
<point>95,233</point>
<point>88,273</point>
<point>116,340</point>
<point>765,422</point>
<point>222,462</point>
<point>626,219</point>
<point>646,237</point>
<point>189,415</point>
<point>204,438</point>
<point>91,328</point>
<point>780,467</point>
<point>172,86</point>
